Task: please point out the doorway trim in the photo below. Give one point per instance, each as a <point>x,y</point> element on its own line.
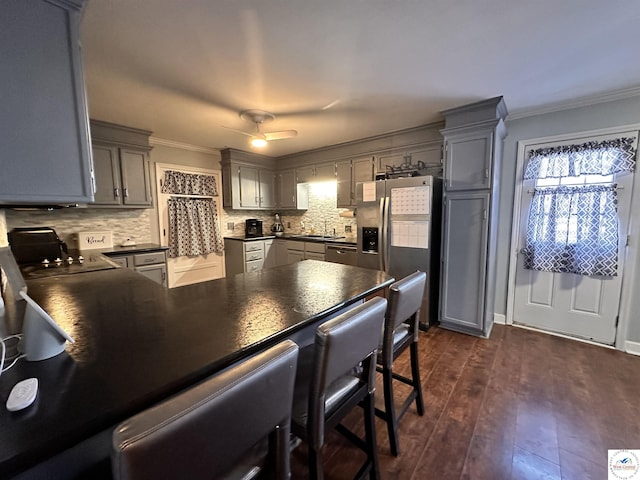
<point>632,253</point>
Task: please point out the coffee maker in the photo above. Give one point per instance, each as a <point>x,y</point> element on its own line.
<point>252,228</point>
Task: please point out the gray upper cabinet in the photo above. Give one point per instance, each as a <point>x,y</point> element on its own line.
<point>107,171</point>
<point>348,174</point>
<point>473,136</point>
<point>343,186</point>
<point>44,131</point>
<point>287,189</point>
<point>121,166</point>
<point>246,185</point>
<point>469,160</point>
<point>291,194</point>
<point>257,187</point>
<point>322,172</point>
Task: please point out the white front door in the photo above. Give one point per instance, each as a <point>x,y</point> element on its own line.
<point>187,270</point>
<point>576,305</point>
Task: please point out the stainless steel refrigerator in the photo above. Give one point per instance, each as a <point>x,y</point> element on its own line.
<point>399,232</point>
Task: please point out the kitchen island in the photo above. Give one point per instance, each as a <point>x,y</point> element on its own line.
<point>137,343</point>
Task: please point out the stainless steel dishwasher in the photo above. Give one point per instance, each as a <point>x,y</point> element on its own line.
<point>345,254</point>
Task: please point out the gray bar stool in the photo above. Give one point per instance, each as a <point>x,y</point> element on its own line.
<point>335,375</point>
<point>233,425</point>
<point>401,331</point>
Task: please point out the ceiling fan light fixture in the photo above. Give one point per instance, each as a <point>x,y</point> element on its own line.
<point>258,141</point>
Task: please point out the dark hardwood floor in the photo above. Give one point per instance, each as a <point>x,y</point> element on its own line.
<point>520,405</point>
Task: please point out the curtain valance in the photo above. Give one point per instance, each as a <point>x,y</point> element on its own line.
<point>180,183</point>
<point>593,158</point>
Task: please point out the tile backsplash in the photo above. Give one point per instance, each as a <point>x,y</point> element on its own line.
<point>322,213</point>
<point>123,223</point>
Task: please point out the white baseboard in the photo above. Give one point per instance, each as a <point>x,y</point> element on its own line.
<point>632,347</point>
<point>499,319</point>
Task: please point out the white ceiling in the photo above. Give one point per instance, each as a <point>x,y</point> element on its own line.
<point>339,70</point>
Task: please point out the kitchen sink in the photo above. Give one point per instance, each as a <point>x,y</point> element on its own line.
<point>318,237</point>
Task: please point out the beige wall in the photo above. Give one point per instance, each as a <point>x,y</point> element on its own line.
<point>3,229</point>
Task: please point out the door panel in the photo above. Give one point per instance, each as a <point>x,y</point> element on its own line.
<point>463,269</point>
<point>187,270</point>
<point>576,305</point>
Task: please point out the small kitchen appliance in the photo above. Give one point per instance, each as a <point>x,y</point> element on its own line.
<point>40,253</point>
<point>277,228</point>
<point>252,228</point>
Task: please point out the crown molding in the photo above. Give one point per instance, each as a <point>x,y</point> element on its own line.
<point>182,146</point>
<point>576,103</point>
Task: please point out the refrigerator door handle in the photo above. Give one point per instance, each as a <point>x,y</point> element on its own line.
<point>384,244</point>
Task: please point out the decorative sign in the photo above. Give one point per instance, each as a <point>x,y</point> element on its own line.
<point>92,240</point>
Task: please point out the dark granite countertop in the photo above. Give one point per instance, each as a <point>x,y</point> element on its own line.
<point>350,240</point>
<point>139,248</point>
<point>137,343</point>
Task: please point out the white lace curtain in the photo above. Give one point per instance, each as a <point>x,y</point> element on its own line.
<point>194,226</point>
<point>574,229</point>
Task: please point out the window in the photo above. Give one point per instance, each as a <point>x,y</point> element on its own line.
<point>573,221</point>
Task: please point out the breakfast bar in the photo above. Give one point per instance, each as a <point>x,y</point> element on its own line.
<point>136,343</point>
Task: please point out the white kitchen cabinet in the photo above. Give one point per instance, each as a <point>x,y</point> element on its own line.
<point>44,126</point>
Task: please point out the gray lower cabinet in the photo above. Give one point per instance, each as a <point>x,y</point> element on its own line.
<point>245,256</point>
<point>44,126</point>
<point>280,250</point>
<point>473,136</point>
<point>295,251</point>
<point>152,265</point>
<point>464,258</point>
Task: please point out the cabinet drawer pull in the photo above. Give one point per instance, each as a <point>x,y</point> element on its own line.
<point>126,192</point>
<point>116,192</point>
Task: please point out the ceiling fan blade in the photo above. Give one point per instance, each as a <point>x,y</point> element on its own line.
<point>239,131</point>
<point>280,135</point>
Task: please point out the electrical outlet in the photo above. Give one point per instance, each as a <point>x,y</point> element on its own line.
<point>347,229</point>
<point>230,225</point>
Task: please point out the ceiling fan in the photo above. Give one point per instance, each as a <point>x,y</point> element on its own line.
<point>259,138</point>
